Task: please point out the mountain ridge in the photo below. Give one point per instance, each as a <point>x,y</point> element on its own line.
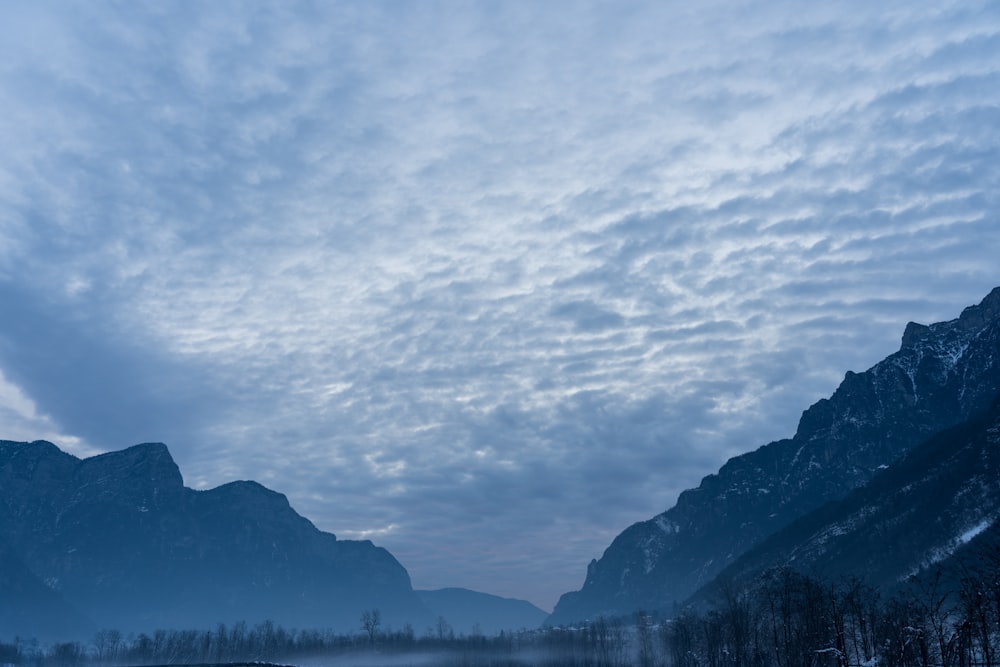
<point>914,517</point>
<point>942,374</point>
<point>471,612</point>
<point>119,537</point>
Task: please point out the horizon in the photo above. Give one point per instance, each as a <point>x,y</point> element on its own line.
<point>482,283</point>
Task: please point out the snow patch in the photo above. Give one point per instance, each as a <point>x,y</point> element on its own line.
<point>940,553</point>
<point>650,561</point>
<point>667,526</point>
<point>651,548</point>
<point>975,530</point>
<point>952,355</point>
<point>796,457</point>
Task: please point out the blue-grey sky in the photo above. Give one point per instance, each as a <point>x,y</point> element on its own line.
<point>484,282</point>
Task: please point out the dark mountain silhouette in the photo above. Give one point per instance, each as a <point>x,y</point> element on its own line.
<point>28,607</point>
<point>943,374</point>
<point>932,510</point>
<point>469,612</point>
<point>121,539</point>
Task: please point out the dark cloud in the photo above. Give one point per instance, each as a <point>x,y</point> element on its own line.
<point>588,317</point>
<point>99,385</point>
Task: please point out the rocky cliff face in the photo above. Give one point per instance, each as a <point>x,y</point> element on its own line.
<point>942,375</point>
<point>925,512</point>
<point>121,539</point>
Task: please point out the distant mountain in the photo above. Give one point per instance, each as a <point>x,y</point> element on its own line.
<point>927,511</point>
<point>121,539</point>
<point>943,375</point>
<point>469,612</point>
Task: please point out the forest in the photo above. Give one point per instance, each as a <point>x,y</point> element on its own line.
<point>782,619</point>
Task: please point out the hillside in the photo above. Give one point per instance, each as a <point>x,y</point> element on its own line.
<point>119,538</point>
<point>919,515</point>
<point>942,375</point>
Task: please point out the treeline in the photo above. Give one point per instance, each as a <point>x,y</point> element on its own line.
<point>787,619</point>
<point>602,643</point>
<point>783,619</point>
<point>271,643</point>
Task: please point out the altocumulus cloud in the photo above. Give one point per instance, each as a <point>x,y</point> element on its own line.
<point>481,282</point>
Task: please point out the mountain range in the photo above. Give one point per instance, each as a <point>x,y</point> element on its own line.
<point>118,541</point>
<point>935,510</point>
<point>896,474</point>
<point>472,613</point>
<point>943,375</point>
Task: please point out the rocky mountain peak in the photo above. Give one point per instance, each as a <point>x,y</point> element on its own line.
<point>248,498</point>
<point>972,320</point>
<point>914,334</point>
<point>119,537</point>
<point>31,453</point>
<point>148,459</point>
<point>987,311</point>
<point>144,475</point>
<point>943,374</point>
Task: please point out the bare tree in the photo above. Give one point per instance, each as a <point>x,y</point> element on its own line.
<point>371,619</point>
<point>443,629</point>
<point>862,607</point>
<point>107,642</point>
<point>647,647</point>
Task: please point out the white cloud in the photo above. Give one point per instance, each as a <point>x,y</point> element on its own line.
<point>513,277</point>
<point>22,421</point>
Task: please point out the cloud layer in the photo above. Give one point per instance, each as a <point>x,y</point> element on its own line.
<point>481,282</point>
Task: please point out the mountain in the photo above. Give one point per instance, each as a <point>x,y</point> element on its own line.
<point>469,612</point>
<point>121,539</point>
<point>28,607</point>
<point>926,511</point>
<point>942,375</point>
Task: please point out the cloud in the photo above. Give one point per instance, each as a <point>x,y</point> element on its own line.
<point>104,390</point>
<point>587,316</point>
<point>479,279</point>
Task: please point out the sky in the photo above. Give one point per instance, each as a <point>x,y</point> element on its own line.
<point>483,282</point>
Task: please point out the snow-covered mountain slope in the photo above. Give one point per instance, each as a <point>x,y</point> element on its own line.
<point>941,376</point>
<point>916,516</point>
